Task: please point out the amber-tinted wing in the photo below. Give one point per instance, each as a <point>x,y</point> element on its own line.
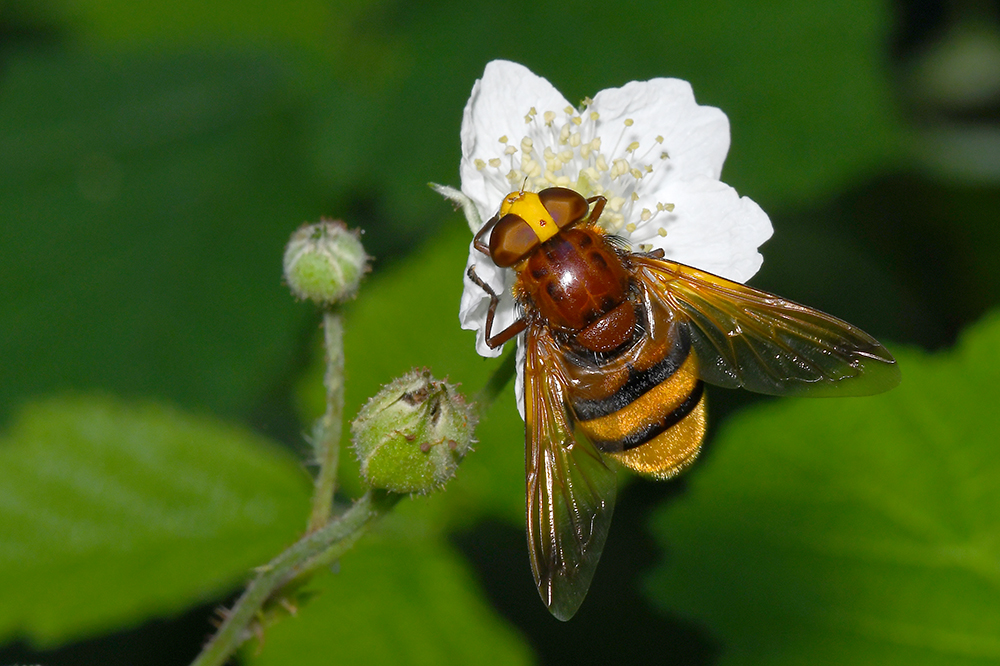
<point>744,337</point>
<point>570,489</point>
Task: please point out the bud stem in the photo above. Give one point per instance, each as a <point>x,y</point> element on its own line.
<point>326,431</point>
<point>312,551</point>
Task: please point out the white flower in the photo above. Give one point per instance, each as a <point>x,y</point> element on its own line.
<point>648,147</point>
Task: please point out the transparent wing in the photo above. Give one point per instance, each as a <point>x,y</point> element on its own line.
<point>744,337</point>
<point>570,489</point>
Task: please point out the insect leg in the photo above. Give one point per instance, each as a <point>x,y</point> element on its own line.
<point>598,209</point>
<point>479,243</point>
<point>494,341</point>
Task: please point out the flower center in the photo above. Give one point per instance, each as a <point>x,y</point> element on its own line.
<point>574,154</point>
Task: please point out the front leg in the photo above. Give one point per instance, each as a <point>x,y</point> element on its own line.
<point>494,341</point>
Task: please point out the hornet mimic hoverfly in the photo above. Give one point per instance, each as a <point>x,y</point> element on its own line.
<point>618,348</point>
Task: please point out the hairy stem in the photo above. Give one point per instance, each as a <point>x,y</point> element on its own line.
<point>326,432</point>
<point>312,551</point>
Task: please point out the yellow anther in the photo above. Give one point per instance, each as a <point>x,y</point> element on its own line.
<point>527,144</point>
<point>594,115</point>
<point>629,122</point>
<point>577,120</point>
<point>549,116</point>
<point>587,101</point>
<point>495,162</point>
<point>632,147</point>
<point>664,155</point>
<point>503,139</point>
<point>668,207</point>
<point>659,139</point>
<point>646,215</point>
<point>564,134</point>
<point>509,150</point>
<point>595,145</point>
<point>648,168</point>
<point>532,112</point>
<point>635,173</point>
<point>574,139</point>
<point>662,232</point>
<point>616,203</point>
<point>630,227</point>
<point>634,196</point>
<point>601,164</point>
<point>479,164</point>
<point>566,155</point>
<point>514,176</point>
<point>569,110</point>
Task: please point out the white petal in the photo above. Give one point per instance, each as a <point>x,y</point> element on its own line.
<point>696,138</point>
<point>499,102</point>
<point>519,377</point>
<point>711,228</point>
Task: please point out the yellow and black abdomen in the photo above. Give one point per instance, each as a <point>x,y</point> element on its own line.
<point>648,409</point>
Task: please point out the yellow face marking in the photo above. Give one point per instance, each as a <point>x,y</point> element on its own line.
<point>528,206</point>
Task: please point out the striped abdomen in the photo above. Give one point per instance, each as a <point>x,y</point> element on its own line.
<point>645,407</point>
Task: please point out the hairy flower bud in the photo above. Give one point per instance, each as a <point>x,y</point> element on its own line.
<point>324,262</point>
<point>411,436</point>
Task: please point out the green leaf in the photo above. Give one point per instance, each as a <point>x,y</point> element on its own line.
<point>115,513</point>
<point>145,205</point>
<point>852,531</point>
<point>394,601</point>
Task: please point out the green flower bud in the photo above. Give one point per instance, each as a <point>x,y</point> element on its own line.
<point>411,436</point>
<point>324,262</point>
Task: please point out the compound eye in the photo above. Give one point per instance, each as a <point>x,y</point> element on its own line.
<point>564,205</point>
<point>512,240</point>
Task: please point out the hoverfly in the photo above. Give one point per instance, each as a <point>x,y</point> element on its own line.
<point>618,348</point>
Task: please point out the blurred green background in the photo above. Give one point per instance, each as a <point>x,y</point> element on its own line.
<point>154,158</point>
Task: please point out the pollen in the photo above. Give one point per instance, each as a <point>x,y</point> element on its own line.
<point>571,153</point>
<point>662,232</point>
